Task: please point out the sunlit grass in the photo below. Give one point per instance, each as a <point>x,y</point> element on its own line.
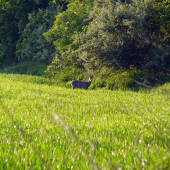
<point>45,126</point>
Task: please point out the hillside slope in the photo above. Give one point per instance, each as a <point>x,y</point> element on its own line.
<point>47,126</point>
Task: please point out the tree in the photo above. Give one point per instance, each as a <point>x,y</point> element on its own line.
<point>125,35</point>
<point>13,18</point>
<point>32,46</point>
<point>67,27</point>
<point>8,33</point>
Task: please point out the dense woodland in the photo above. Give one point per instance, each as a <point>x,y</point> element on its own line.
<point>118,41</point>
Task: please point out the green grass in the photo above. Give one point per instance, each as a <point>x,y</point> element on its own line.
<point>46,126</point>
<point>26,68</point>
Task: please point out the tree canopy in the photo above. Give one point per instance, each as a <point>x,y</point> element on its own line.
<point>13,19</point>
<point>32,45</point>
<point>113,34</point>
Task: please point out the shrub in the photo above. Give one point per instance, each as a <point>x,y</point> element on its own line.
<point>66,74</point>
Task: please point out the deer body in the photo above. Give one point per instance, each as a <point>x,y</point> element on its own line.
<point>81,84</point>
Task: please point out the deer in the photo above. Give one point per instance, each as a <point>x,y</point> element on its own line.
<point>81,84</point>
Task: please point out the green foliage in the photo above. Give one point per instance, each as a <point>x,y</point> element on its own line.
<point>66,28</point>
<point>66,74</point>
<point>13,18</point>
<point>115,35</point>
<point>89,37</point>
<point>32,46</point>
<point>28,68</point>
<point>113,79</point>
<point>8,33</point>
<point>118,34</point>
<point>132,79</point>
<point>45,126</point>
<point>68,24</point>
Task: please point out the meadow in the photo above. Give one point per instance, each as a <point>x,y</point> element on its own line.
<point>44,125</point>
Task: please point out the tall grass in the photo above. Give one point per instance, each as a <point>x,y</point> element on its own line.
<point>45,126</point>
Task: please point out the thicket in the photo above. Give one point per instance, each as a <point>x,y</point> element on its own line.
<point>113,37</point>
<point>109,39</point>
<point>14,17</point>
<point>32,45</point>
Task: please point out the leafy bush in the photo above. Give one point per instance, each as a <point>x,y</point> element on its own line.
<point>112,79</point>
<point>66,74</point>
<point>128,79</point>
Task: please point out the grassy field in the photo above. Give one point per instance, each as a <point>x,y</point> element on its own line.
<point>47,126</point>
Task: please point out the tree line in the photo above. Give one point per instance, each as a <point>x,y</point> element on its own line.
<point>86,36</point>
